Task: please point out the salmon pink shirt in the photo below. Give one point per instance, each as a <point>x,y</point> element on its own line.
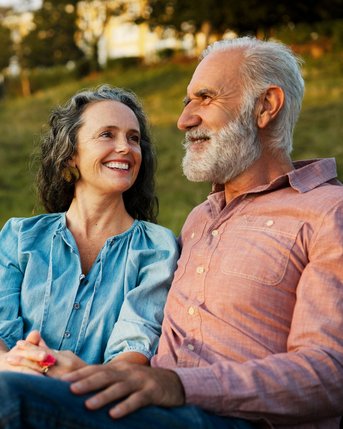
<point>253,323</point>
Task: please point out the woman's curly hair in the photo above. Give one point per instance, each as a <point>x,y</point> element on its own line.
<point>59,145</point>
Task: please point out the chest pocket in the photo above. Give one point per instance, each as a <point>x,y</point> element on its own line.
<point>258,248</point>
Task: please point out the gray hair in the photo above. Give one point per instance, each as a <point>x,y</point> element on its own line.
<point>269,63</point>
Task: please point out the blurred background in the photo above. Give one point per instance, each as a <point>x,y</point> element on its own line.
<point>51,49</point>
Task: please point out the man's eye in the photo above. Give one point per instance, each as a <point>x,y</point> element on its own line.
<point>206,97</point>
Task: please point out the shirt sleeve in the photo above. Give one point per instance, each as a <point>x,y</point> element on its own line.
<point>304,382</point>
<point>139,323</point>
<point>11,276</point>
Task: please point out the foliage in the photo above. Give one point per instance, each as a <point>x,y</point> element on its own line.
<point>52,41</point>
<point>161,88</point>
<point>6,50</point>
<point>325,35</point>
<point>248,16</point>
<point>40,79</point>
<point>92,19</point>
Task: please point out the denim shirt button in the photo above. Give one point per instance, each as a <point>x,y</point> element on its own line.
<point>76,306</point>
<point>67,334</point>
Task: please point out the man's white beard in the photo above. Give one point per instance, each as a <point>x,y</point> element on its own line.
<point>227,153</point>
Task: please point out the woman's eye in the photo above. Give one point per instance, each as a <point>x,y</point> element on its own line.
<point>135,139</point>
<point>106,134</point>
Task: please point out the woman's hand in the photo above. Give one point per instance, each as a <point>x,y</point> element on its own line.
<point>29,355</point>
<point>134,386</point>
<point>6,359</point>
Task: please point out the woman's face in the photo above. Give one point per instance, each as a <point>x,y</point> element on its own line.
<point>108,153</point>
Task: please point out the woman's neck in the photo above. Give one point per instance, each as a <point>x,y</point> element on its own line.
<point>92,222</point>
<point>98,217</point>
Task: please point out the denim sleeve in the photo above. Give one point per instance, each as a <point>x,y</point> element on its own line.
<point>11,276</point>
<point>139,324</point>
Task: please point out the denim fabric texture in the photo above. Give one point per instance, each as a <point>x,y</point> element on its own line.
<point>44,403</point>
<point>116,307</point>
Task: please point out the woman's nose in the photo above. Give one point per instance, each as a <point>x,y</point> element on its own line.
<point>122,145</point>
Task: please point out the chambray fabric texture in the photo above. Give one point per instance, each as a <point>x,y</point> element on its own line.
<point>116,307</point>
<point>44,403</point>
<point>254,318</point>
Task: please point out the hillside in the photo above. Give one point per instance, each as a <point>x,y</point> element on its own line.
<point>161,88</point>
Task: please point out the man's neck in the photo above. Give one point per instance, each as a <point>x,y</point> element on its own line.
<point>261,172</point>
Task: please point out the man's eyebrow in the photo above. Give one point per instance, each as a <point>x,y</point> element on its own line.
<point>186,100</point>
<point>199,94</point>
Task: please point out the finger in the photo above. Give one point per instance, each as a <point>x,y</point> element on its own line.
<point>112,393</point>
<point>92,382</point>
<point>81,373</point>
<point>34,337</point>
<point>30,351</point>
<point>42,343</point>
<point>19,361</point>
<point>130,404</point>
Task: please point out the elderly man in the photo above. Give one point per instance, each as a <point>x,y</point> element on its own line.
<point>252,335</point>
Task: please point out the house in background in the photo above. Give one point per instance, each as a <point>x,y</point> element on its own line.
<point>111,29</point>
<point>114,26</point>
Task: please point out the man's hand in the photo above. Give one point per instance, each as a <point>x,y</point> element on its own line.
<point>135,386</point>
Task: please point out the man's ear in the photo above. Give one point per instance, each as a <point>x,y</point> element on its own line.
<point>271,103</point>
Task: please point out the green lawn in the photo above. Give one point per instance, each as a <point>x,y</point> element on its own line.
<point>319,132</point>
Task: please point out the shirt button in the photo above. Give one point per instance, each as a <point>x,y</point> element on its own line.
<point>191,311</point>
<point>82,276</point>
<point>200,270</point>
<point>270,222</point>
<point>190,347</point>
<point>215,232</point>
<point>76,306</point>
<point>67,334</point>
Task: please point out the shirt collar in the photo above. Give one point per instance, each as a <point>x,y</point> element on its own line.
<point>307,175</point>
<point>310,174</point>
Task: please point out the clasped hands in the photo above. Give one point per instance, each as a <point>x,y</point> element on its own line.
<point>133,385</point>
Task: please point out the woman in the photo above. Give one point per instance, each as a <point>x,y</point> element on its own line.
<point>92,275</point>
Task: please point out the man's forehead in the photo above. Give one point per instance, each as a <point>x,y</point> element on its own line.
<point>215,69</point>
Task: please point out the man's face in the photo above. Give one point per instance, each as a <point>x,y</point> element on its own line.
<point>221,136</point>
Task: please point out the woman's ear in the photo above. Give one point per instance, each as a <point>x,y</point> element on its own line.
<point>271,103</point>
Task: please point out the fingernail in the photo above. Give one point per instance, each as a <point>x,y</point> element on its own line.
<point>76,387</point>
<point>115,412</point>
<point>92,403</point>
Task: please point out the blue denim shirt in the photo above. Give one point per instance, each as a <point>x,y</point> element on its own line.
<point>117,307</point>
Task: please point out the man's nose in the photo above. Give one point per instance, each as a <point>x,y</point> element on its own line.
<point>188,119</point>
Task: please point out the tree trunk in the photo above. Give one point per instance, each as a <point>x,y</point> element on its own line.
<point>25,83</point>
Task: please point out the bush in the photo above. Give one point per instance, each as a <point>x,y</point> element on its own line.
<point>38,79</point>
<point>124,62</point>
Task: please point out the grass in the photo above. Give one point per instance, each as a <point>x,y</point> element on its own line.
<point>318,134</point>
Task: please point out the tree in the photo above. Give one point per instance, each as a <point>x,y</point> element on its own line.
<point>52,42</point>
<point>6,51</point>
<point>93,17</point>
<point>246,16</point>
